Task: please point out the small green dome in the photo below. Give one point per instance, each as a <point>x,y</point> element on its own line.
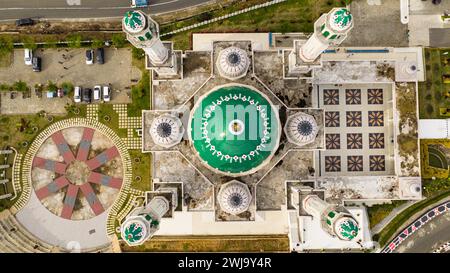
<point>134,232</point>
<point>348,229</point>
<point>134,21</point>
<point>234,129</point>
<point>341,19</point>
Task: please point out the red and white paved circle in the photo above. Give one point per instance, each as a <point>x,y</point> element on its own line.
<point>76,175</point>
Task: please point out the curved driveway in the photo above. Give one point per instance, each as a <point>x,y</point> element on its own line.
<point>82,9</point>
<point>425,234</point>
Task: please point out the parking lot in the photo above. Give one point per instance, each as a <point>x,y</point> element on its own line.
<point>68,65</point>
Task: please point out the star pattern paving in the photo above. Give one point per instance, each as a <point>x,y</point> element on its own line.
<point>375,96</point>
<point>376,140</point>
<point>354,163</point>
<point>353,96</point>
<point>332,119</point>
<point>354,119</point>
<point>354,141</point>
<point>331,96</point>
<point>82,187</point>
<point>377,163</point>
<point>333,141</point>
<point>376,118</point>
<point>332,163</point>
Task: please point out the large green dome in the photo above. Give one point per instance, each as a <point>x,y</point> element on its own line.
<point>234,129</point>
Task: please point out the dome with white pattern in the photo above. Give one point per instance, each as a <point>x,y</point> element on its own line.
<point>232,63</point>
<point>301,129</point>
<point>166,130</point>
<point>234,197</point>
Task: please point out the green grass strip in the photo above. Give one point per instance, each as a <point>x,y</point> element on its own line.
<point>390,230</point>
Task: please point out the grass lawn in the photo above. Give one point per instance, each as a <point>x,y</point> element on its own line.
<point>433,92</point>
<point>18,129</point>
<point>269,243</point>
<point>140,93</point>
<point>378,212</point>
<point>110,118</point>
<point>289,16</point>
<point>141,168</point>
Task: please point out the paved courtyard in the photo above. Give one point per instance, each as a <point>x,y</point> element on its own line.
<point>377,23</point>
<point>358,129</point>
<point>68,65</point>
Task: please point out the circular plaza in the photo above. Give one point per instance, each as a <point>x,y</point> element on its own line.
<point>234,129</point>
<point>76,171</point>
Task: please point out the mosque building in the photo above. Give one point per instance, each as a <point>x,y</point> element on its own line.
<point>275,137</point>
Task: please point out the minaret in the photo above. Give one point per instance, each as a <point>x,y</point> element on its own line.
<point>337,221</point>
<point>330,29</point>
<point>143,222</point>
<point>143,32</point>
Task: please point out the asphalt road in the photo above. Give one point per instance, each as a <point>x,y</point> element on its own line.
<point>429,237</point>
<point>82,9</point>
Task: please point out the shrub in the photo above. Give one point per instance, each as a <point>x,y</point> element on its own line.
<point>68,86</point>
<point>51,86</point>
<point>74,41</point>
<point>97,43</point>
<point>429,109</point>
<point>28,42</point>
<point>438,95</point>
<point>20,86</point>
<point>137,53</point>
<point>118,40</point>
<point>5,87</point>
<point>6,45</point>
<point>50,42</point>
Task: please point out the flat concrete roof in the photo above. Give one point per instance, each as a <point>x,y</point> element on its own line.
<point>440,37</point>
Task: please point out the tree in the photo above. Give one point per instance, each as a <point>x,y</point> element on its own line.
<point>118,40</point>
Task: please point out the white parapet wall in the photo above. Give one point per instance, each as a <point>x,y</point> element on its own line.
<point>434,128</point>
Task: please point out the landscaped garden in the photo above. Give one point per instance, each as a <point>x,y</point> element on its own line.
<point>435,187</point>
<point>434,93</point>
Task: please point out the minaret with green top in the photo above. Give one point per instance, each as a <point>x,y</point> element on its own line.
<point>335,220</point>
<point>143,32</point>
<point>329,30</point>
<point>142,223</point>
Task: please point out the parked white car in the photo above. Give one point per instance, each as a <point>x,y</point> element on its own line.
<point>28,56</point>
<point>89,56</point>
<point>97,90</point>
<point>106,93</point>
<point>77,94</point>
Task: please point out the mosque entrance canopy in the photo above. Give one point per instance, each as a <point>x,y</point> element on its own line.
<point>234,129</point>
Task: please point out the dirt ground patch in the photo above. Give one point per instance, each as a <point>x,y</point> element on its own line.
<point>273,243</point>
